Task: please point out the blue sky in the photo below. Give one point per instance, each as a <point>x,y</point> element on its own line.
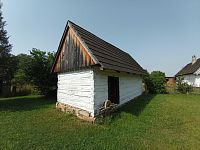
<point>159,34</point>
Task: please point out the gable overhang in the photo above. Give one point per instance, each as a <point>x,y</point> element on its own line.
<point>197,72</point>
<point>67,27</point>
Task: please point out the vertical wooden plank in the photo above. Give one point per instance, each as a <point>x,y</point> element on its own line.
<point>71,50</point>
<point>81,57</point>
<point>88,60</point>
<point>67,50</point>
<point>61,62</point>
<point>61,67</point>
<point>65,53</point>
<point>78,53</point>
<point>75,53</point>
<point>92,62</point>
<point>84,60</point>
<point>63,58</point>
<point>58,66</point>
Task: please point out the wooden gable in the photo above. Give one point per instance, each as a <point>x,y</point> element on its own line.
<point>72,53</point>
<point>80,48</point>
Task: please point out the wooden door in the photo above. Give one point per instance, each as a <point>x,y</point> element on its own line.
<point>113,89</point>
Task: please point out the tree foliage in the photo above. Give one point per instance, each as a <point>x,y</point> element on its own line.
<point>38,71</point>
<point>7,62</point>
<point>155,82</point>
<point>20,76</point>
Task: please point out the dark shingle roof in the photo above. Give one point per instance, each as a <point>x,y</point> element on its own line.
<point>107,54</point>
<point>189,68</point>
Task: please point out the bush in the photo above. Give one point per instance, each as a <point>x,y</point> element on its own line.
<point>155,82</point>
<point>183,87</point>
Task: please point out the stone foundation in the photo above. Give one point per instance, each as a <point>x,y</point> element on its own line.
<point>80,113</point>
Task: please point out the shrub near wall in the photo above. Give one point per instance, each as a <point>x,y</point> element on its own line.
<point>155,82</point>
<point>173,90</point>
<point>183,87</point>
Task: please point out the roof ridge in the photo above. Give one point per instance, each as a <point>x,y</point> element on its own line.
<point>99,37</point>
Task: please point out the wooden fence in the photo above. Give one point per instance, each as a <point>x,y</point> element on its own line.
<point>12,90</point>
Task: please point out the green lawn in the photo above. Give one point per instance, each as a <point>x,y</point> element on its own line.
<point>151,122</point>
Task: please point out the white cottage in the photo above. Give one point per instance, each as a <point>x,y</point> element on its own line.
<point>191,72</point>
<point>91,71</point>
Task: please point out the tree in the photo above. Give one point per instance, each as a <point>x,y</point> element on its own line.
<point>5,57</point>
<point>38,71</point>
<point>155,82</point>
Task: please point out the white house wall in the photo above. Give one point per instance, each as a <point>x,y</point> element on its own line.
<point>130,86</point>
<point>77,89</point>
<point>192,79</point>
<point>197,81</point>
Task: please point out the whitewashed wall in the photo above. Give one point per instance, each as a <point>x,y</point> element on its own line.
<point>130,86</point>
<point>77,89</point>
<point>88,89</point>
<point>192,79</point>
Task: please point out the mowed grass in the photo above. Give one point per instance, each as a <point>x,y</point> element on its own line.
<point>149,122</point>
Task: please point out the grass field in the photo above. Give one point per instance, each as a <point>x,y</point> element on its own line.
<point>150,122</point>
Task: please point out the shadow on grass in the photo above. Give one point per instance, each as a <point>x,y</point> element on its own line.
<point>134,107</point>
<point>25,103</point>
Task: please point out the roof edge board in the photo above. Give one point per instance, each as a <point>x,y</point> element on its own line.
<point>59,47</point>
<point>197,72</point>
